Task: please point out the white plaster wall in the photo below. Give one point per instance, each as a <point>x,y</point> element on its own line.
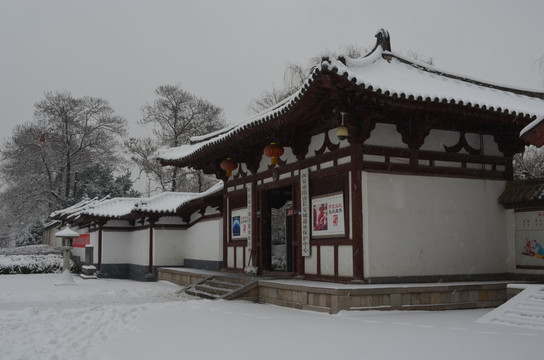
<point>94,243</point>
<point>239,257</point>
<point>138,250</point>
<point>386,135</point>
<point>422,226</point>
<point>168,247</point>
<point>327,260</point>
<point>202,241</point>
<point>310,262</point>
<point>345,261</point>
<point>437,139</point>
<point>230,257</point>
<point>116,247</point>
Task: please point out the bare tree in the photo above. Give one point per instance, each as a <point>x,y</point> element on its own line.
<point>175,116</point>
<point>294,77</point>
<point>40,160</point>
<point>529,164</point>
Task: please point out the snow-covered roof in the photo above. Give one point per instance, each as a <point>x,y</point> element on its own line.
<point>388,73</point>
<point>112,208</point>
<point>171,201</point>
<point>116,208</point>
<point>76,209</point>
<point>534,132</point>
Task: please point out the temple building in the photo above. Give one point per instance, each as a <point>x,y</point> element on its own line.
<point>380,169</point>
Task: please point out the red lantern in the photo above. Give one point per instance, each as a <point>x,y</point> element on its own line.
<point>229,165</point>
<point>273,151</point>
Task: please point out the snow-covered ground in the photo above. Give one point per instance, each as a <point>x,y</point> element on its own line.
<point>122,319</point>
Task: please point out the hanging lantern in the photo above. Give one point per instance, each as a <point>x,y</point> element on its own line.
<point>342,131</point>
<point>229,165</point>
<point>273,151</point>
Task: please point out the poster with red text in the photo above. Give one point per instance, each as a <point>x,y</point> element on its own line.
<point>328,216</point>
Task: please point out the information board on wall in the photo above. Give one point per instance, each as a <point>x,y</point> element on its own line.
<point>328,215</point>
<point>239,224</point>
<point>82,241</point>
<point>530,238</point>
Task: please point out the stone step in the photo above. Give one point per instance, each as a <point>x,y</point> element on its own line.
<point>211,289</point>
<point>223,284</point>
<point>202,294</point>
<point>234,279</point>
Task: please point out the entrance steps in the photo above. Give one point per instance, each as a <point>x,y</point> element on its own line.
<point>225,287</point>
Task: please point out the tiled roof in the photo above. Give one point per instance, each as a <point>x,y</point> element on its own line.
<point>117,208</point>
<point>388,73</point>
<point>521,194</point>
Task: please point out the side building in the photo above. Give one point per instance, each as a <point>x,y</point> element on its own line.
<point>132,237</point>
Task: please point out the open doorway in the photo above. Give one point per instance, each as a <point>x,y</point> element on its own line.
<point>279,250</point>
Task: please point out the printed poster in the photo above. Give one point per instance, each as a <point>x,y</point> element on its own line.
<point>328,215</point>
<point>530,238</point>
<point>239,224</point>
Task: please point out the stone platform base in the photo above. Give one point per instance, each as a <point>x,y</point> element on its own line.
<point>333,297</point>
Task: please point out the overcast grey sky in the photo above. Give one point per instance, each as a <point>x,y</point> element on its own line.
<point>228,52</point>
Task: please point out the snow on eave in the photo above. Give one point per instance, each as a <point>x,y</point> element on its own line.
<point>113,208</point>
<point>531,126</point>
<point>392,75</point>
<point>169,155</point>
<point>122,207</point>
<point>375,73</point>
<point>75,210</point>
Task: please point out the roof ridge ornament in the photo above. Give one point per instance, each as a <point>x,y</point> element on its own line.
<point>383,40</point>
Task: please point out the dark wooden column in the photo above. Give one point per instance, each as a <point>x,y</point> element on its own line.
<point>254,231</point>
<point>100,229</point>
<point>357,210</point>
<point>226,224</point>
<point>151,226</point>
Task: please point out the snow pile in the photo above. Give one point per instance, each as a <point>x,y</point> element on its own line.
<point>524,310</point>
<point>111,319</point>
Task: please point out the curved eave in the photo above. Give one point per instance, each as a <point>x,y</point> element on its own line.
<point>259,124</point>
<point>216,150</point>
<point>460,92</point>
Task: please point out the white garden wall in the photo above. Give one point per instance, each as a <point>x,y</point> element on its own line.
<point>427,226</point>
<point>203,241</point>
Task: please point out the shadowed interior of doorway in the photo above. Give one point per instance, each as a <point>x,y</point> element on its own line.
<point>281,230</point>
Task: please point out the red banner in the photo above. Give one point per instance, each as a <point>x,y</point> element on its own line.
<point>82,240</point>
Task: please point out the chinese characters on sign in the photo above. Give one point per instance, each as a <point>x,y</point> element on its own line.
<point>249,211</point>
<point>328,215</point>
<point>239,224</point>
<point>81,241</point>
<point>305,211</point>
<point>529,238</point>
